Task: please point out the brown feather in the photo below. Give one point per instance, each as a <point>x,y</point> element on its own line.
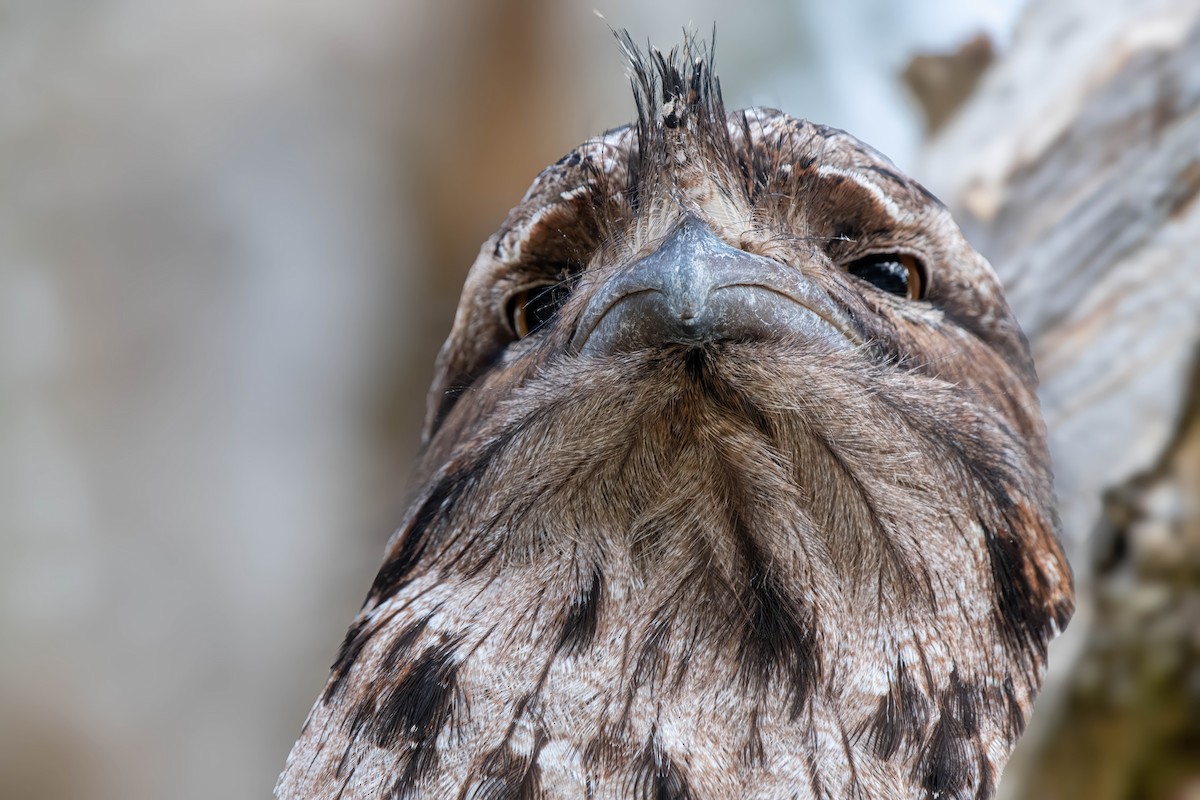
<point>759,568</point>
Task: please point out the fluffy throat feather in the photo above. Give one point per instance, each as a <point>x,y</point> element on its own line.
<point>737,552</point>
<point>700,472</point>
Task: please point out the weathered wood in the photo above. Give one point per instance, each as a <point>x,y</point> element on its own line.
<point>1075,168</point>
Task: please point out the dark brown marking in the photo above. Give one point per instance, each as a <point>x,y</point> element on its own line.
<point>945,768</point>
<point>900,718</point>
<point>753,752</point>
<point>656,777</point>
<point>448,491</point>
<point>394,574</point>
<point>962,699</point>
<point>1020,593</point>
<point>778,641</point>
<point>356,638</point>
<point>1014,720</point>
<point>650,666</point>
<point>399,646</point>
<point>507,776</point>
<point>583,617</point>
<point>415,708</point>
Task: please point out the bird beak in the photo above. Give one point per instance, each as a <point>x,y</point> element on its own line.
<point>696,289</point>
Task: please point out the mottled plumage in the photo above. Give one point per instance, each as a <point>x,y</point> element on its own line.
<point>808,551</point>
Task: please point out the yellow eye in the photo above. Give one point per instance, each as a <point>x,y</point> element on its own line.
<point>531,309</point>
<point>895,273</point>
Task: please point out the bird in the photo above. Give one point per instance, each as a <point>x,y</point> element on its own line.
<point>733,484</point>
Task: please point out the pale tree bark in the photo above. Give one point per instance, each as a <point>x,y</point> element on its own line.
<point>1075,167</point>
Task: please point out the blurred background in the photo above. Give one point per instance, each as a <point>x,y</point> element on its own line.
<point>232,235</point>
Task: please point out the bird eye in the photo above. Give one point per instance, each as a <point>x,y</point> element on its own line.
<point>531,309</point>
<point>894,273</point>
